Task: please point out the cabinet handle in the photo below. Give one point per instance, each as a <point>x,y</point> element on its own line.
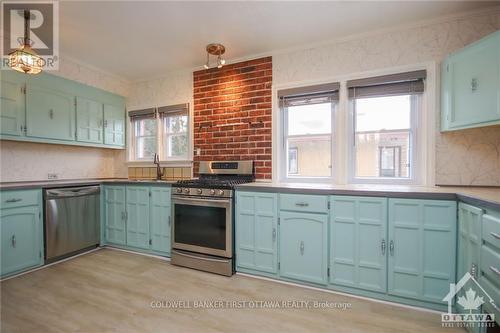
<point>473,270</point>
<point>13,200</point>
<point>301,204</point>
<point>301,248</point>
<point>473,84</point>
<point>383,246</point>
<point>274,234</point>
<point>51,114</point>
<point>495,270</point>
<point>123,215</point>
<point>169,223</point>
<point>13,240</point>
<point>391,247</point>
<point>495,235</point>
<point>105,123</point>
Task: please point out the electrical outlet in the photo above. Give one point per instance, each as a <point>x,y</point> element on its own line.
<point>198,151</point>
<point>52,176</point>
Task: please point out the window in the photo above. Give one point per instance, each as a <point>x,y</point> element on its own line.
<point>384,113</point>
<point>164,131</point>
<point>307,115</point>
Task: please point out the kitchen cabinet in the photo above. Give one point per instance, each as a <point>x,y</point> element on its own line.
<point>489,267</point>
<point>160,219</point>
<point>471,85</point>
<point>358,242</point>
<point>137,216</point>
<point>303,246</point>
<point>469,239</point>
<point>89,120</point>
<point>114,125</point>
<point>21,231</point>
<point>256,231</point>
<point>114,207</point>
<point>422,248</point>
<point>12,115</point>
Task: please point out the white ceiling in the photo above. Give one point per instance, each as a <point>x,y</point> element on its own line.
<point>142,39</point>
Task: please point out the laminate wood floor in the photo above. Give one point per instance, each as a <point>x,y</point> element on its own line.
<point>112,291</point>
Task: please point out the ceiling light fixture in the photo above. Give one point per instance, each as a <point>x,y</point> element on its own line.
<point>217,50</point>
<point>24,59</point>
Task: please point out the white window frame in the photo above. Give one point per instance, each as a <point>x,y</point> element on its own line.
<point>133,139</point>
<point>416,103</point>
<point>283,156</point>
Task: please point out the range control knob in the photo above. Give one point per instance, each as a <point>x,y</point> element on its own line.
<point>179,190</point>
<point>212,192</point>
<point>220,192</point>
<point>186,190</point>
<point>199,191</point>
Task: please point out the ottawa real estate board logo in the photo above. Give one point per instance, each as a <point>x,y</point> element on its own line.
<point>32,23</point>
<point>471,300</point>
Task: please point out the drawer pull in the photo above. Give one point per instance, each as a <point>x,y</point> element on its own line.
<point>13,200</point>
<point>13,240</point>
<point>302,204</point>
<point>495,270</point>
<point>495,235</point>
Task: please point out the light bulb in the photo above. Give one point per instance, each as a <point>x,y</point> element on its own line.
<point>206,66</point>
<point>222,61</point>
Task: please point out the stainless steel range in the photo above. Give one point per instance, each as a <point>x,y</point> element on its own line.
<point>203,216</point>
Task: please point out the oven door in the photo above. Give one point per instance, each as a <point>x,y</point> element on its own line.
<point>203,225</point>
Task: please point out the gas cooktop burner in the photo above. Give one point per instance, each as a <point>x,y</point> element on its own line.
<point>213,182</point>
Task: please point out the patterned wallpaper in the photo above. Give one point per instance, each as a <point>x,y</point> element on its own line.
<point>469,157</point>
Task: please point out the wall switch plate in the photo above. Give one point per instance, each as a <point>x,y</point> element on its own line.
<point>52,176</point>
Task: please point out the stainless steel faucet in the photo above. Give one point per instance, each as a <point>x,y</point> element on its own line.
<point>159,172</point>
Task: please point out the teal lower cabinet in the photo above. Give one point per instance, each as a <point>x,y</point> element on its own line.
<point>256,232</point>
<point>160,212</point>
<point>303,246</point>
<point>422,248</point>
<point>138,218</point>
<point>358,242</point>
<point>21,231</point>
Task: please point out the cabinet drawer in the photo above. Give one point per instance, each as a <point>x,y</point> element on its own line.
<point>304,203</point>
<point>10,199</point>
<point>491,230</point>
<point>490,264</point>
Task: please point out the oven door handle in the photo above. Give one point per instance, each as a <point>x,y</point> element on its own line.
<point>189,200</point>
<point>202,258</point>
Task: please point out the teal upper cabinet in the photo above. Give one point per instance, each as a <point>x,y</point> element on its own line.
<point>471,85</point>
<point>89,120</point>
<point>114,125</point>
<point>115,214</point>
<point>303,246</point>
<point>160,219</point>
<point>358,242</point>
<point>137,214</point>
<point>422,248</point>
<point>50,109</point>
<point>257,231</point>
<point>12,116</point>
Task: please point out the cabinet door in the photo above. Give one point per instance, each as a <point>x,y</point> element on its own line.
<point>114,202</point>
<point>422,248</point>
<point>471,81</point>
<point>89,120</point>
<point>160,219</point>
<point>21,237</point>
<point>469,239</point>
<point>138,216</point>
<point>303,246</point>
<point>114,125</point>
<point>358,242</point>
<point>50,114</point>
<point>12,107</point>
<point>256,231</point>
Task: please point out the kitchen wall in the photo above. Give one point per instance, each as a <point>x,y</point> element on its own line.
<point>21,161</point>
<point>469,157</point>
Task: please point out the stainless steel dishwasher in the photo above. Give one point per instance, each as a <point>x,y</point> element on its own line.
<point>72,216</point>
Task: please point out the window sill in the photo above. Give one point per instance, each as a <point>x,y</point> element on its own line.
<point>184,163</point>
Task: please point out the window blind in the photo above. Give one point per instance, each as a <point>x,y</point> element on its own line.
<point>142,114</point>
<point>174,110</point>
<point>393,84</point>
<point>321,93</point>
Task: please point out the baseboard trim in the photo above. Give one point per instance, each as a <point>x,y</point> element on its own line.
<point>135,252</point>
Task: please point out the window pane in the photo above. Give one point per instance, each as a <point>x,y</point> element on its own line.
<point>385,154</point>
<point>310,119</point>
<point>309,156</point>
<point>145,127</point>
<point>145,147</point>
<point>176,124</point>
<point>382,113</point>
<point>178,146</point>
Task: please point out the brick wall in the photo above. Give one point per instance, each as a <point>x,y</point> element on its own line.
<point>232,114</point>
